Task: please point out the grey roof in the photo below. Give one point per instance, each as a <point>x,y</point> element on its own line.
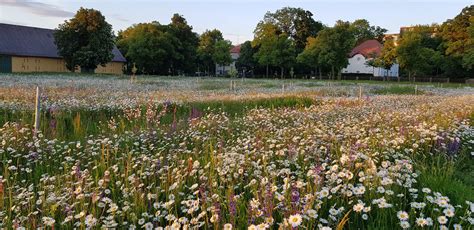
<point>34,42</point>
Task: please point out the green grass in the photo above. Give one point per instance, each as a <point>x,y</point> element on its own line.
<point>397,89</point>
<point>79,123</point>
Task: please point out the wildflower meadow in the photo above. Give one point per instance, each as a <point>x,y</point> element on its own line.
<point>220,153</point>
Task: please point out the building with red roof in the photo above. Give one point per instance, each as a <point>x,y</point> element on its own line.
<point>364,52</point>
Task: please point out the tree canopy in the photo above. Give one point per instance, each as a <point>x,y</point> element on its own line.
<point>150,46</point>
<point>363,31</point>
<point>246,59</point>
<point>297,23</point>
<point>333,44</point>
<point>86,40</point>
<point>206,48</point>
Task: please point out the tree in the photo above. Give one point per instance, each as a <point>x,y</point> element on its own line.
<point>363,31</point>
<point>205,51</point>
<point>246,59</point>
<point>297,23</point>
<point>274,48</point>
<point>455,33</point>
<point>186,44</point>
<point>221,54</point>
<point>310,55</point>
<point>86,40</point>
<point>264,41</point>
<point>150,46</point>
<point>333,45</point>
<point>387,57</point>
<point>414,57</point>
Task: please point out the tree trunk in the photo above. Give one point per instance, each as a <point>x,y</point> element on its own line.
<point>267,71</point>
<point>282,70</point>
<point>332,72</point>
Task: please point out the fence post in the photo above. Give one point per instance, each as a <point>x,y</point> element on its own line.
<point>416,89</point>
<point>360,92</point>
<point>448,80</point>
<point>283,87</point>
<point>37,111</point>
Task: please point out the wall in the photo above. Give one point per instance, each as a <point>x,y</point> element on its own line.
<point>40,64</point>
<point>111,67</point>
<point>358,64</point>
<point>5,64</point>
<point>37,64</point>
<point>224,70</point>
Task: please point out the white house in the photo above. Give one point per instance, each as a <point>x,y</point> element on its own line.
<point>224,70</point>
<point>361,54</point>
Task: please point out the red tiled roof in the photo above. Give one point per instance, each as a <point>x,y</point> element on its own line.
<point>367,49</point>
<point>235,49</point>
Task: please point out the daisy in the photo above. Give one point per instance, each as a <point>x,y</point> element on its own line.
<point>421,222</point>
<point>295,220</point>
<point>358,207</point>
<point>402,215</point>
<point>227,226</point>
<point>404,224</point>
<point>442,219</point>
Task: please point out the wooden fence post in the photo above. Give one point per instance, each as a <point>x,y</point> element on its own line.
<point>37,111</point>
<point>416,89</point>
<point>360,92</point>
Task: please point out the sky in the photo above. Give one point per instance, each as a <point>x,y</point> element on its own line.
<point>236,19</point>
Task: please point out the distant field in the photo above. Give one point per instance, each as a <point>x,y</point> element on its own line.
<point>209,153</point>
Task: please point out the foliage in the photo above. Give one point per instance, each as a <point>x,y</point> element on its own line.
<point>414,57</point>
<point>387,57</point>
<point>275,49</point>
<point>310,55</point>
<point>86,40</point>
<point>455,32</point>
<point>150,46</point>
<point>186,44</point>
<point>363,31</point>
<point>297,23</point>
<point>160,49</point>
<point>221,54</point>
<point>206,48</point>
<point>332,46</point>
<point>246,59</point>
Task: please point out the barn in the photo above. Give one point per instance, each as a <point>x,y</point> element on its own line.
<point>361,54</point>
<point>31,49</point>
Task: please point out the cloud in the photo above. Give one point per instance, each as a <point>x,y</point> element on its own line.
<point>38,8</point>
<point>120,18</point>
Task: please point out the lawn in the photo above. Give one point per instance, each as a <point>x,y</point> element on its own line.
<point>197,153</point>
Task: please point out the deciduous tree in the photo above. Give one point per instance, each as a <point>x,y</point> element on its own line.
<point>363,31</point>
<point>297,23</point>
<point>86,40</point>
<point>206,48</point>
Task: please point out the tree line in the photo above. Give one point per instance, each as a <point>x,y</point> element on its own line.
<point>287,42</point>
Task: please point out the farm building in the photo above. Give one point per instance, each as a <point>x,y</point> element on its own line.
<point>235,54</point>
<point>364,52</point>
<point>31,49</point>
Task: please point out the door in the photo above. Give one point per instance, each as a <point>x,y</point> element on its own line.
<point>5,64</point>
